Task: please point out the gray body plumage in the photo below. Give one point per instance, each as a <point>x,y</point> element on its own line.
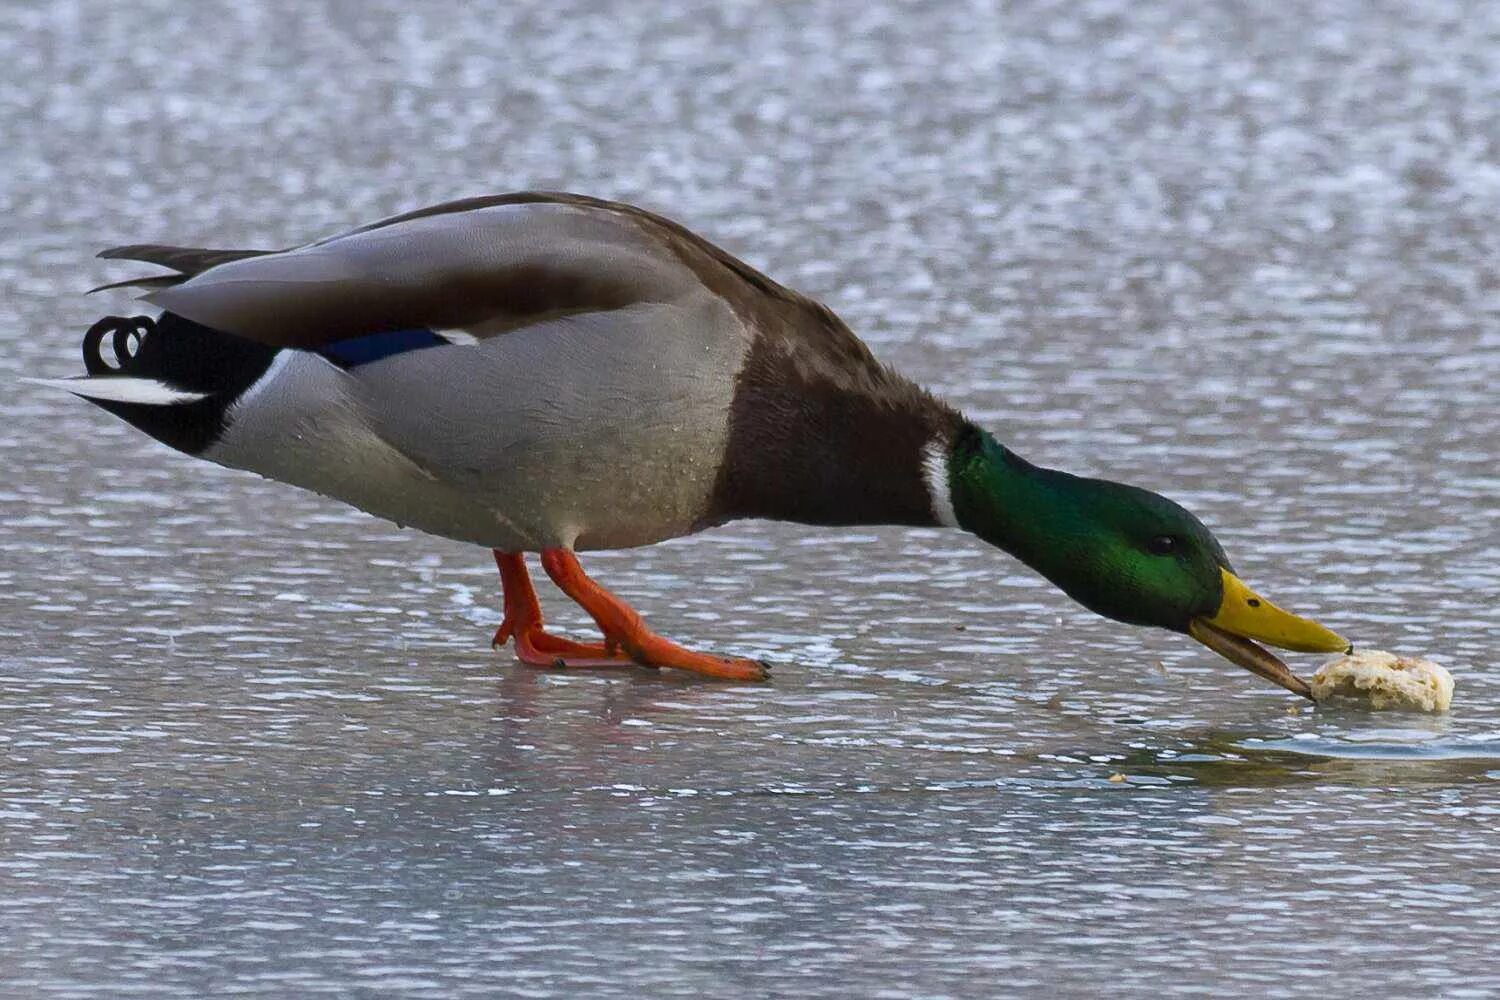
<point>468,442</point>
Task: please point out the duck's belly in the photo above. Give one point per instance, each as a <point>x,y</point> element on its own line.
<point>523,510</point>
<point>495,451</point>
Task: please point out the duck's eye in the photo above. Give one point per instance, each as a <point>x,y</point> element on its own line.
<point>1162,545</point>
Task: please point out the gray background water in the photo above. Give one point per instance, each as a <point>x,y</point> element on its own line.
<point>257,744</point>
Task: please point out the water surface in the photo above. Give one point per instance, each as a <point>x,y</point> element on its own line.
<point>257,744</point>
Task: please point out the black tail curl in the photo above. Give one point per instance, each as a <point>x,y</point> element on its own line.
<point>127,335</point>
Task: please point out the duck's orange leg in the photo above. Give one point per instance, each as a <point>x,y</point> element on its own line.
<point>523,622</point>
<point>624,630</point>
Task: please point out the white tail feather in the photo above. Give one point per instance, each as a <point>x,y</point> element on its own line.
<point>121,389</point>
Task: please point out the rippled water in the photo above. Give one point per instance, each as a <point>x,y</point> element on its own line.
<point>258,744</point>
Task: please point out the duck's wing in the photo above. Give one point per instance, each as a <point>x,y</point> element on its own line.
<point>482,266</point>
<point>185,261</point>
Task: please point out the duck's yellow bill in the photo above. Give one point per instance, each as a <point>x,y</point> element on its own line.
<point>1244,615</point>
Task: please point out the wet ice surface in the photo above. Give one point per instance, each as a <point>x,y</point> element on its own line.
<point>255,743</point>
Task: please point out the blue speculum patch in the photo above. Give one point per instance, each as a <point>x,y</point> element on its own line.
<point>373,347</point>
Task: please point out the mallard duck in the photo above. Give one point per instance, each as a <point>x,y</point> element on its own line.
<point>550,373</point>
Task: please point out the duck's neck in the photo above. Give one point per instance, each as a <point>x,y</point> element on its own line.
<point>1025,509</point>
<point>825,444</point>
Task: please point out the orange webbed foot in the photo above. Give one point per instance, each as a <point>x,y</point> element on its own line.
<point>523,622</point>
<point>624,630</point>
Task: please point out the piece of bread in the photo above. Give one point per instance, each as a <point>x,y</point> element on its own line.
<point>1385,680</point>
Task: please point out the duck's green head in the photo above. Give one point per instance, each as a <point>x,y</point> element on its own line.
<point>1125,553</point>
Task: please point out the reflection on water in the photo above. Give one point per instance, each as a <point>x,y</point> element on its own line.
<point>257,744</point>
<point>1403,745</point>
